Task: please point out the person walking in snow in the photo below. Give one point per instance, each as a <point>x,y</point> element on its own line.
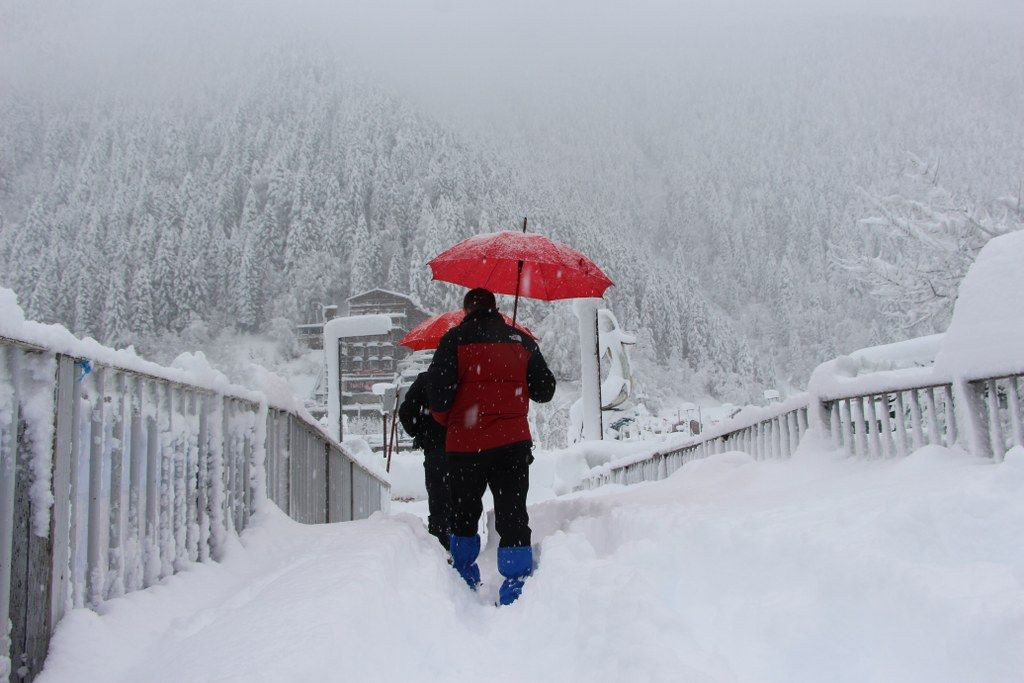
<point>482,378</point>
<point>428,435</point>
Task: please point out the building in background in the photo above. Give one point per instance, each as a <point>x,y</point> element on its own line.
<point>311,333</point>
<point>366,361</point>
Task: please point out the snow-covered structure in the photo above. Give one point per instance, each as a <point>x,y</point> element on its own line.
<point>602,342</point>
<point>345,344</point>
<point>963,388</point>
<point>116,472</point>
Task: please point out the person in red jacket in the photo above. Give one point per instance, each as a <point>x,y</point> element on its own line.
<point>482,378</point>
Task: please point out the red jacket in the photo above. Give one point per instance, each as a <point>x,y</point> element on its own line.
<point>482,378</point>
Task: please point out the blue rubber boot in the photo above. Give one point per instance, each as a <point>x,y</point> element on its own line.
<point>464,551</point>
<point>515,564</point>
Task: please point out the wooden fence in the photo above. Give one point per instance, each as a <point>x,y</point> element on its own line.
<point>113,479</point>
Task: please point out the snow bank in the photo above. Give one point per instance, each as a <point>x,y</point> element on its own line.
<point>986,335</point>
<point>407,481</point>
<point>877,369</point>
<point>909,353</point>
<point>822,569</point>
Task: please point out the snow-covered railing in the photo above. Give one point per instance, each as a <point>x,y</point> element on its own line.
<point>773,432</point>
<point>876,420</point>
<point>961,387</point>
<point>896,422</point>
<point>116,475</point>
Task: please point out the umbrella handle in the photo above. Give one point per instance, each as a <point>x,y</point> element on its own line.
<point>519,277</point>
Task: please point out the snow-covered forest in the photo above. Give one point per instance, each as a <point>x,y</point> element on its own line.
<point>767,189</point>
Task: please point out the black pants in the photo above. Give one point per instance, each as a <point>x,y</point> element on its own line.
<point>507,472</point>
<point>439,505</point>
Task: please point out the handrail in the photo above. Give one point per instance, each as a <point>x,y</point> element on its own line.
<point>985,416</point>
<point>113,478</point>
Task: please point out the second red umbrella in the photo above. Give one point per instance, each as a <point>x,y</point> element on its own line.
<point>427,335</point>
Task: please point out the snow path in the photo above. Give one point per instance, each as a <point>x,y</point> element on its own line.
<point>809,570</point>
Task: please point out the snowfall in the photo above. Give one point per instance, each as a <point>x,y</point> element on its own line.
<point>819,568</point>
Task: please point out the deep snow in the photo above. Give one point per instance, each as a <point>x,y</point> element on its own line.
<point>818,568</point>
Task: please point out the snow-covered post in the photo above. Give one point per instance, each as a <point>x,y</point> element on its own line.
<point>590,369</point>
<point>334,331</point>
<point>972,420</point>
<point>8,470</point>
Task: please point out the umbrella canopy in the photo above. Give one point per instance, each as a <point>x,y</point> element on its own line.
<point>427,335</point>
<point>523,264</point>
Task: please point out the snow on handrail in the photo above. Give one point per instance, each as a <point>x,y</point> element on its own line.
<point>875,416</point>
<point>962,387</point>
<point>116,472</point>
<point>769,432</point>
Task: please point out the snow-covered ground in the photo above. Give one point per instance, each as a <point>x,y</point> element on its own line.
<point>814,569</point>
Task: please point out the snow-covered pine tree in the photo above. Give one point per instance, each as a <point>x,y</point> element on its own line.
<point>367,259</point>
<point>141,301</point>
<point>42,305</point>
<point>191,285</point>
<point>116,321</point>
<point>165,264</point>
<point>249,312</point>
<point>918,243</point>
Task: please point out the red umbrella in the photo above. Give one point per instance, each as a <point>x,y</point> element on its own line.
<point>519,263</point>
<point>427,335</point>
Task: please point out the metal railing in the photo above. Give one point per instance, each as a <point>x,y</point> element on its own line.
<point>893,423</point>
<point>997,413</point>
<point>113,479</point>
<point>774,436</point>
<point>882,424</point>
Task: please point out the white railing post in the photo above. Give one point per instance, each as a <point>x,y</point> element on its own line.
<point>995,428</point>
<point>952,435</point>
<point>858,424</point>
<point>166,526</point>
<point>871,427</point>
<point>835,425</point>
<point>60,519</point>
<point>136,527</point>
<point>115,538</point>
<point>917,433</point>
<point>847,426</point>
<point>971,419</point>
<point>203,479</point>
<point>179,439</point>
<point>901,426</point>
<point>153,547</point>
<point>933,416</point>
<point>77,511</point>
<point>1013,405</point>
<point>886,433</point>
<point>190,457</point>
<point>786,449</point>
<point>217,425</point>
<point>95,568</point>
<point>8,477</point>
